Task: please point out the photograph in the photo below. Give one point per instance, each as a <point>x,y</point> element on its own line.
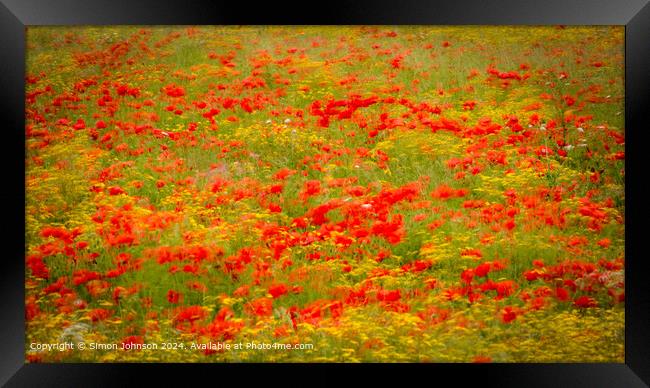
<point>325,194</point>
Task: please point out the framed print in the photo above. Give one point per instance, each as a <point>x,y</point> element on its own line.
<point>388,189</point>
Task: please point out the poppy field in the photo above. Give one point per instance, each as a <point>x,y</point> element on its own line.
<point>345,194</point>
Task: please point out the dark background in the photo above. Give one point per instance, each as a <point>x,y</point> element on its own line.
<point>16,14</point>
<point>31,12</point>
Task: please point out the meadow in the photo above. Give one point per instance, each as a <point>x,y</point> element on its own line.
<point>383,194</point>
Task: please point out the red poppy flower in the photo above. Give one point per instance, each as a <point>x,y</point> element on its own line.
<point>508,315</point>
<point>190,314</point>
<point>173,296</point>
<point>467,275</point>
<point>585,302</point>
<point>389,296</point>
<point>277,290</point>
<point>262,307</point>
<point>482,269</point>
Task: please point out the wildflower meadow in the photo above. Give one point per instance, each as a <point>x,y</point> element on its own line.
<point>326,194</point>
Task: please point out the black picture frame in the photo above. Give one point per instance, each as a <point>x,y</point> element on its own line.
<point>15,15</point>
